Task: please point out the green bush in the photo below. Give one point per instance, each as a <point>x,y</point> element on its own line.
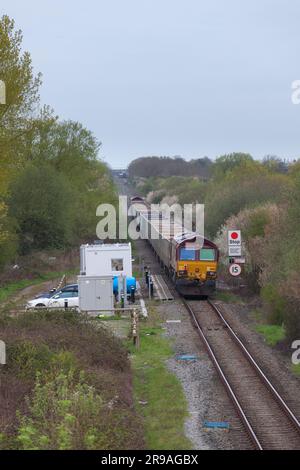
<point>273,334</point>
<point>76,377</point>
<point>274,304</point>
<point>27,358</point>
<point>8,238</point>
<point>256,187</point>
<point>292,319</point>
<point>41,203</point>
<point>64,413</point>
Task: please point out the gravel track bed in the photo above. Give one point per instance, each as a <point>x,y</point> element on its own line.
<point>205,395</point>
<point>274,363</point>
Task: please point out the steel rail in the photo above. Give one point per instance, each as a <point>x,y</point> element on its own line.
<point>227,385</point>
<point>294,420</point>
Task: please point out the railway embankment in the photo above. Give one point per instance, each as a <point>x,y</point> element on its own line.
<point>66,385</point>
<point>192,378</point>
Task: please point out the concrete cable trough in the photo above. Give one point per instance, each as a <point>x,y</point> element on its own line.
<point>161,290</point>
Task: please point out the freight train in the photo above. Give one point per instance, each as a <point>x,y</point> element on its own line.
<point>190,260</point>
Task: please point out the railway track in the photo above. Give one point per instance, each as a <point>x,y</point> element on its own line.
<point>268,420</point>
<point>266,417</point>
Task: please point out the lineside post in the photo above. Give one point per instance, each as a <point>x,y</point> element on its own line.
<point>135,329</point>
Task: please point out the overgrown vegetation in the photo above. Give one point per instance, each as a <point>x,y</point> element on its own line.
<point>262,198</point>
<point>228,297</point>
<point>273,334</point>
<point>296,369</point>
<point>271,244</point>
<point>11,288</point>
<point>67,385</point>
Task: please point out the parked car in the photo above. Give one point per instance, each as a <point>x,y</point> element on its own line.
<point>67,296</point>
<point>67,288</point>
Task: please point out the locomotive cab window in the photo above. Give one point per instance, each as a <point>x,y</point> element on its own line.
<point>207,254</point>
<point>187,254</point>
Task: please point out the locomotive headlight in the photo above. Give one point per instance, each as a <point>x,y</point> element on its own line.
<point>211,274</point>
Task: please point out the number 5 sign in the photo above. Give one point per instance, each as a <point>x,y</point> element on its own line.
<point>235,269</point>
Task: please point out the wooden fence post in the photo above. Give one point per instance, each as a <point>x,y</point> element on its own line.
<point>135,329</point>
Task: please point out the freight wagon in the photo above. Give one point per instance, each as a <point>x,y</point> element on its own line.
<point>190,260</point>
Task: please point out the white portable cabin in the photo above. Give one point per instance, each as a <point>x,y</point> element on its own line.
<point>111,259</point>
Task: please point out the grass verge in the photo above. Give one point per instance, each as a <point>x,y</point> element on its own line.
<point>228,297</point>
<point>296,369</point>
<point>158,393</point>
<point>66,385</point>
<point>273,334</point>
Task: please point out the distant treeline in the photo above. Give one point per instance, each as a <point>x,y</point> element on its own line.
<point>262,199</point>
<point>168,166</point>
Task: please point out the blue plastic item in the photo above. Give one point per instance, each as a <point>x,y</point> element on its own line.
<point>130,282</point>
<point>187,357</point>
<point>216,424</point>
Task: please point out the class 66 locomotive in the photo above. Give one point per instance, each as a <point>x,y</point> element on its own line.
<point>189,259</point>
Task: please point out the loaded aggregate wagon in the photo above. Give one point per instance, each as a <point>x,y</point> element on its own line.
<point>189,259</point>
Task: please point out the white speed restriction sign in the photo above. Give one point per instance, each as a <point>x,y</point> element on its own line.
<point>235,269</point>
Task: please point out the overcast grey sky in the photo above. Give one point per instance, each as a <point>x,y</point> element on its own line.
<point>169,77</point>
